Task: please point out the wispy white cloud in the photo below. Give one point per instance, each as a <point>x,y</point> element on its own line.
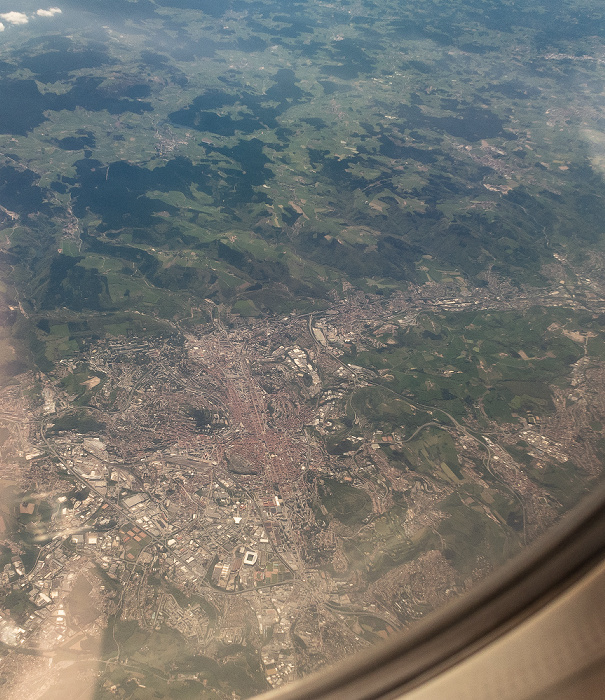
<point>51,12</point>
<point>15,17</point>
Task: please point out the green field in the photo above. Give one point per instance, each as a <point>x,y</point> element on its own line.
<point>501,361</point>
<point>346,503</point>
<point>158,658</point>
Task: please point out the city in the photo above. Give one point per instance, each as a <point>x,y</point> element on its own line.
<point>194,490</point>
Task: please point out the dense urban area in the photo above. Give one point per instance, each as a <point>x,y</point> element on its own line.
<point>229,483</point>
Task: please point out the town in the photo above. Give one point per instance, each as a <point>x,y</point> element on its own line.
<point>193,489</point>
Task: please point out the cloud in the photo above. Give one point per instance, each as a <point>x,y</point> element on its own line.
<point>15,17</point>
<point>51,12</point>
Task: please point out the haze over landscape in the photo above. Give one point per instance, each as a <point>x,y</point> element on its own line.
<point>302,325</point>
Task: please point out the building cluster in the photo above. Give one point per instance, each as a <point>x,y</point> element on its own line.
<point>203,481</point>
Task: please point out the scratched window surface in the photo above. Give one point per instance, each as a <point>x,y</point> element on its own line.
<point>302,325</point>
